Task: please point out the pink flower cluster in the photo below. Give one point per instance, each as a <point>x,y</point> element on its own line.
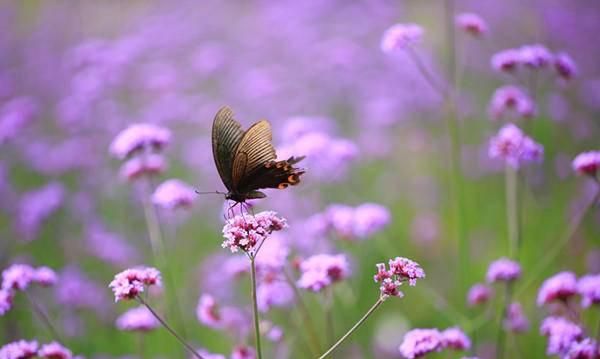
<point>401,36</point>
<point>244,232</point>
<point>213,315</point>
<point>511,99</point>
<point>514,147</point>
<point>479,294</point>
<point>587,163</point>
<point>419,342</point>
<point>137,319</point>
<point>515,320</point>
<point>588,288</point>
<point>503,270</point>
<point>23,349</point>
<point>472,24</point>
<point>400,270</point>
<point>534,57</point>
<point>131,282</point>
<point>173,194</point>
<point>561,333</point>
<point>561,287</point>
<point>358,222</point>
<point>323,270</point>
<point>18,277</point>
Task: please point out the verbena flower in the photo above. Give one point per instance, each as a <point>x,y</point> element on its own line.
<point>561,334</point>
<point>20,349</point>
<point>244,232</point>
<point>173,194</point>
<point>479,294</point>
<point>44,276</point>
<point>472,24</point>
<point>535,56</point>
<point>137,319</point>
<point>243,352</point>
<point>587,163</point>
<point>506,60</point>
<point>208,312</point>
<point>78,291</point>
<point>515,320</point>
<point>17,277</point>
<point>15,115</point>
<point>400,36</point>
<point>503,270</point>
<point>147,165</point>
<point>407,269</point>
<point>359,222</point>
<point>273,291</point>
<point>561,286</point>
<point>36,206</point>
<point>208,355</point>
<point>514,147</point>
<point>455,338</point>
<point>323,270</point>
<point>401,270</point>
<point>511,100</point>
<point>419,342</point>
<point>565,66</point>
<point>137,137</point>
<point>6,300</point>
<point>588,288</point>
<point>585,349</point>
<point>54,350</point>
<point>131,282</point>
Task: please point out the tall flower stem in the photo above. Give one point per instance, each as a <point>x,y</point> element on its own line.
<point>255,306</point>
<point>500,339</point>
<point>169,329</point>
<point>328,308</point>
<point>310,325</point>
<point>354,327</point>
<point>512,210</point>
<point>41,313</point>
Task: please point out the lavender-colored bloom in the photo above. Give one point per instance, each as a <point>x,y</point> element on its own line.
<point>587,163</point>
<point>419,342</point>
<point>585,349</point>
<point>243,352</point>
<point>137,319</point>
<point>131,282</point>
<point>273,292</point>
<point>245,232</point>
<point>208,312</point>
<point>173,194</point>
<point>390,287</point>
<point>588,288</point>
<point>506,60</point>
<point>515,320</point>
<point>77,291</point>
<point>370,218</point>
<point>136,167</point>
<point>479,294</point>
<point>137,137</point>
<point>514,147</point>
<point>110,247</point>
<point>401,270</point>
<point>44,276</point>
<point>208,355</point>
<point>561,286</point>
<point>6,300</point>
<point>15,115</point>
<point>20,349</point>
<point>401,36</point>
<point>17,277</point>
<point>54,350</point>
<point>565,66</point>
<point>406,269</point>
<point>561,334</point>
<point>323,270</point>
<point>455,338</point>
<point>504,270</point>
<point>382,273</point>
<point>36,206</point>
<point>511,99</point>
<point>472,24</point>
<point>535,56</point>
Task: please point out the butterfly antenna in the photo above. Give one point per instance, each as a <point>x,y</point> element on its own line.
<point>210,192</point>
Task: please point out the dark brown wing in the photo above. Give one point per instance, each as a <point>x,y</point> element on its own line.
<point>226,136</point>
<point>254,150</point>
<point>273,174</point>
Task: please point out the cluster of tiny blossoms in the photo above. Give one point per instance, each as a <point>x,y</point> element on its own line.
<point>23,349</point>
<point>534,57</point>
<point>587,163</point>
<point>514,147</point>
<point>245,232</point>
<point>131,282</point>
<point>419,342</point>
<point>323,270</point>
<point>18,277</point>
<point>400,270</point>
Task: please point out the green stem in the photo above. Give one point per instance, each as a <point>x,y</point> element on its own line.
<point>255,306</point>
<point>310,326</point>
<point>41,313</point>
<point>500,339</point>
<point>512,210</point>
<point>354,327</point>
<point>169,329</point>
<point>328,308</point>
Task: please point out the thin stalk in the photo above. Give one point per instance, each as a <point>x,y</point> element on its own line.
<point>169,329</point>
<point>328,308</point>
<point>141,345</point>
<point>427,75</point>
<point>500,339</point>
<point>551,253</point>
<point>310,325</point>
<point>512,210</point>
<point>354,327</point>
<point>255,306</point>
<point>41,313</point>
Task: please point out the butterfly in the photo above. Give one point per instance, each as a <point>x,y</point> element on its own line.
<point>246,160</point>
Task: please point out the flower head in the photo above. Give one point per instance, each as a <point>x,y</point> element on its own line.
<point>243,352</point>
<point>208,312</point>
<point>479,294</point>
<point>587,163</point>
<point>136,167</point>
<point>36,206</point>
<point>503,269</point>
<point>245,232</point>
<point>419,342</point>
<point>565,66</point>
<point>561,286</point>
<point>173,194</point>
<point>535,56</point>
<point>401,270</point>
<point>588,288</point>
<point>561,334</point>
<point>406,269</point>
<point>131,282</point>
<point>20,349</point>
<point>455,338</point>
<point>54,351</point>
<point>472,24</point>
<point>358,222</point>
<point>137,319</point>
<point>511,99</point>
<point>6,300</point>
<point>585,349</point>
<point>17,277</point>
<point>515,320</point>
<point>323,270</point>
<point>137,137</point>
<point>514,147</point>
<point>44,276</point>
<point>506,60</point>
<point>401,36</point>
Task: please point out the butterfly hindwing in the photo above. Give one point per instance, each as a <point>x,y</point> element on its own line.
<point>227,134</point>
<point>273,174</point>
<point>252,153</point>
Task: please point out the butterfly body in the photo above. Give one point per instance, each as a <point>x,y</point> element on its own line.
<point>246,160</point>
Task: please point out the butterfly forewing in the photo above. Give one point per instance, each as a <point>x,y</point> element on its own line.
<point>227,134</point>
<point>254,150</point>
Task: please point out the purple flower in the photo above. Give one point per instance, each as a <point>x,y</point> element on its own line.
<point>382,273</point>
<point>36,206</point>
<point>17,277</point>
<point>588,288</point>
<point>515,320</point>
<point>406,269</point>
<point>511,99</point>
<point>390,287</point>
<point>359,222</point>
<point>323,270</point>
<point>585,349</point>
<point>243,352</point>
<point>506,60</point>
<point>419,342</point>
<point>455,338</point>
<point>561,286</point>
<point>245,232</point>
<point>273,292</point>
<point>479,294</point>
<point>44,276</point>
<point>401,270</point>
<point>587,163</point>
<point>565,66</point>
<point>137,137</point>
<point>208,312</point>
<point>15,115</point>
<point>110,247</point>
<point>173,194</point>
<point>137,319</point>
<point>20,349</point>
<point>208,355</point>
<point>136,167</point>
<point>400,36</point>
<point>514,147</point>
<point>503,269</point>
<point>54,351</point>
<point>535,56</point>
<point>77,291</point>
<point>131,282</point>
<point>6,300</point>
<point>561,334</point>
<point>472,24</point>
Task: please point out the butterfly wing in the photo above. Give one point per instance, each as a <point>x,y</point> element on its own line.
<point>227,135</point>
<point>273,174</point>
<point>252,153</point>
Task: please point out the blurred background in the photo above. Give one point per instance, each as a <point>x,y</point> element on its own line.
<point>75,74</point>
